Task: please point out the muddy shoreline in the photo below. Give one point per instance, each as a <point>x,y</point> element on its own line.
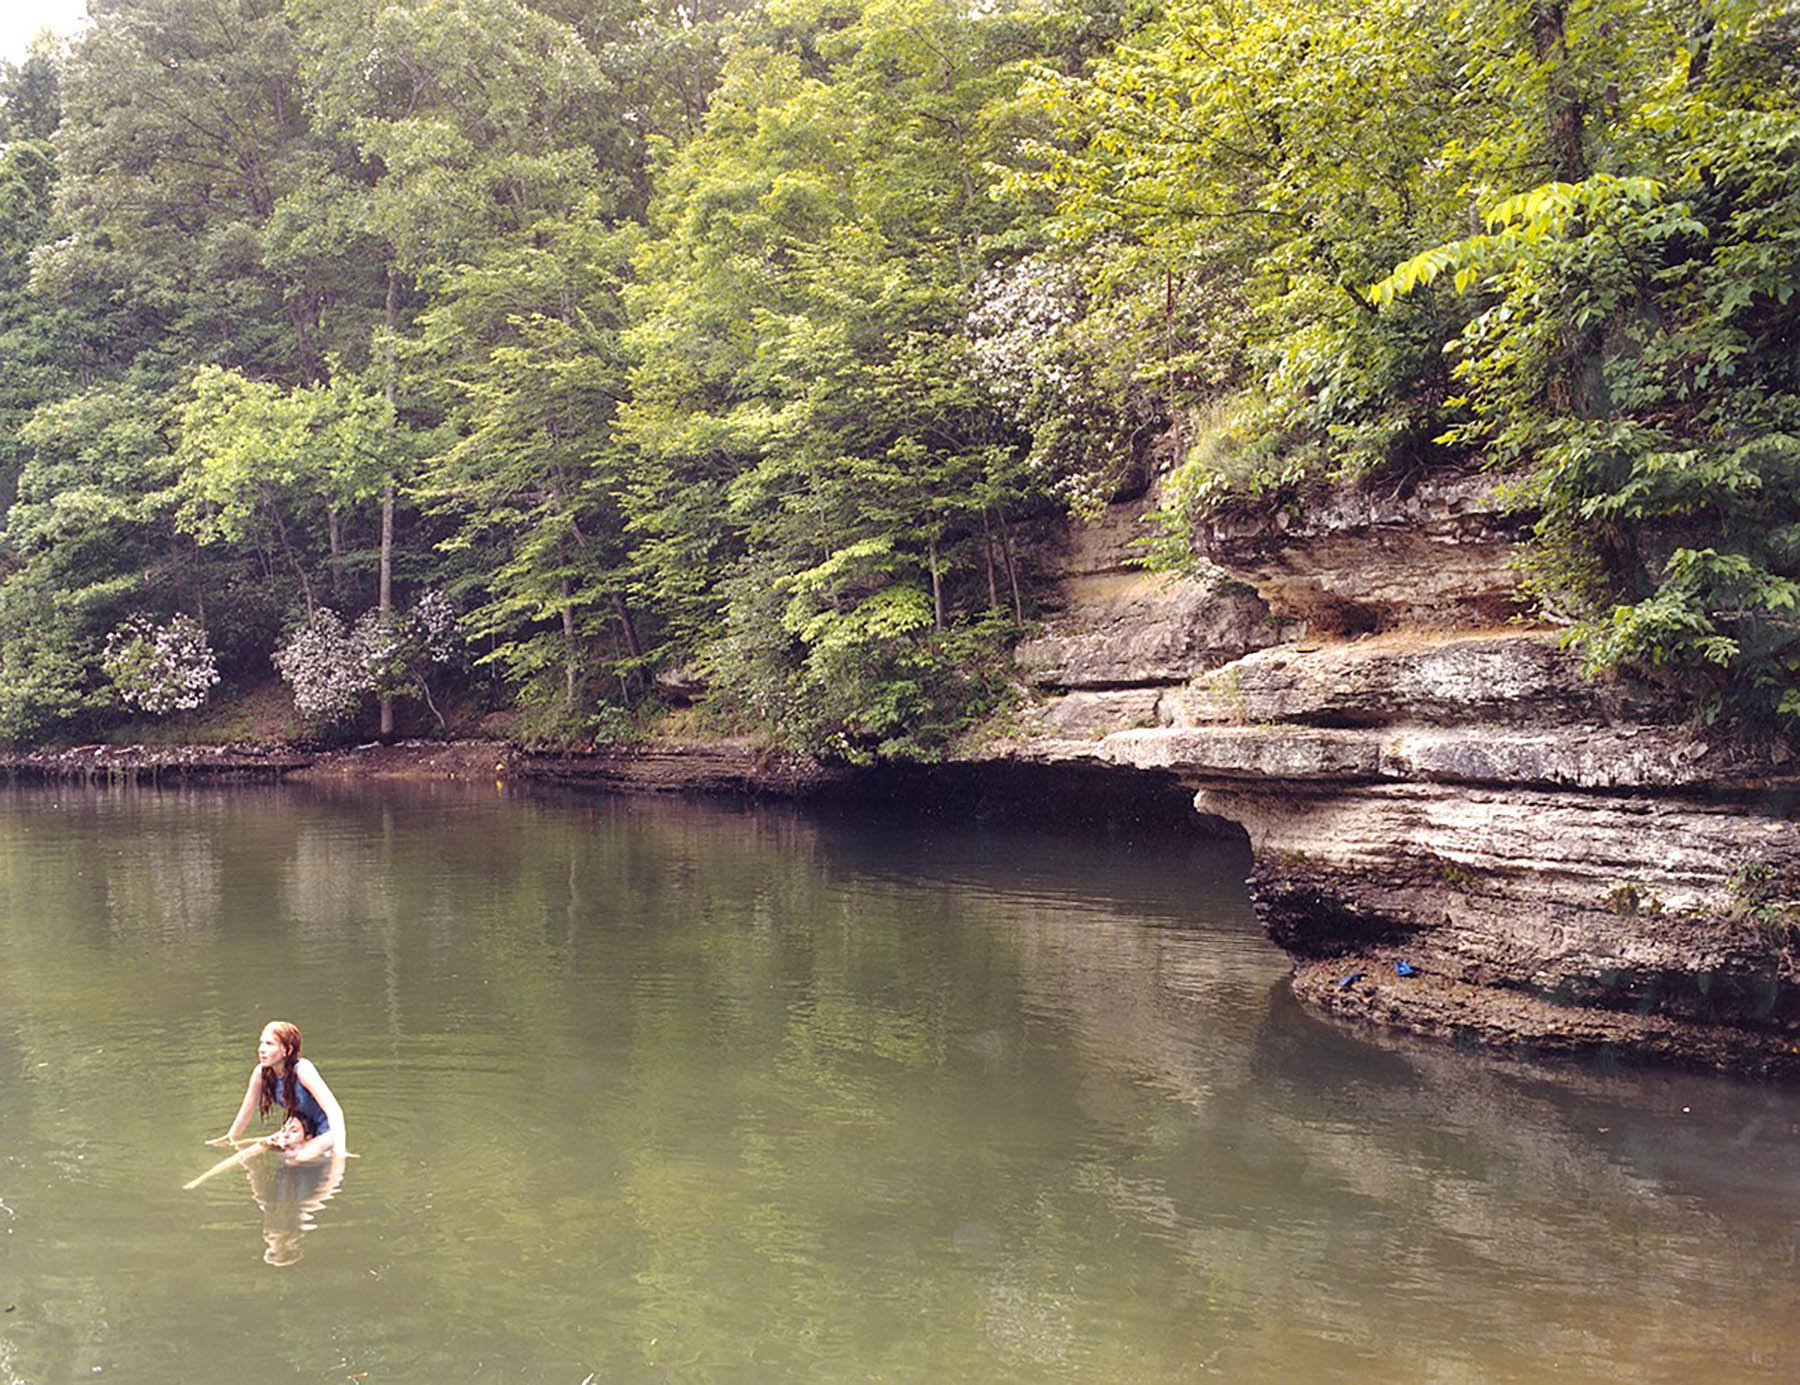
<point>699,767</point>
<point>702,768</point>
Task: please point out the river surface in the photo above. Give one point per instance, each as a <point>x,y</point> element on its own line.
<point>647,1091</point>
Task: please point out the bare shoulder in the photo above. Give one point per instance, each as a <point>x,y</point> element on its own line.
<point>304,1067</point>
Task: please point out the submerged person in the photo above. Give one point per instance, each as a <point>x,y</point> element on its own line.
<point>313,1123</point>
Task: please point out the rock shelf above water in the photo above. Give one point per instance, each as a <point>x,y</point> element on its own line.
<point>1561,864</point>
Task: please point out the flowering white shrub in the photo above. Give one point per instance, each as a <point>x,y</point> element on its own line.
<point>332,670</point>
<point>1096,369</point>
<point>160,669</point>
<point>1015,316</point>
<point>382,647</point>
<point>325,667</point>
<point>1030,326</point>
<point>433,625</point>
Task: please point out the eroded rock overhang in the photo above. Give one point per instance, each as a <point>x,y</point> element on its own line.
<point>1554,859</point>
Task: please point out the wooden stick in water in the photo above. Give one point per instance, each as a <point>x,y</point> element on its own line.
<point>240,1158</point>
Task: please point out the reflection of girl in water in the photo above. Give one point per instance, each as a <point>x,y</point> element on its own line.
<point>313,1124</point>
<point>289,1194</point>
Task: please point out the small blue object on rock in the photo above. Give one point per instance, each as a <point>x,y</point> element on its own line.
<point>1346,981</point>
<point>1403,968</point>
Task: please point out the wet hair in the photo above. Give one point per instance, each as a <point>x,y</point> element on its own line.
<point>276,1092</point>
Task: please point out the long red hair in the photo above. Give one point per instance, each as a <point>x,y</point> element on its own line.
<point>288,1036</point>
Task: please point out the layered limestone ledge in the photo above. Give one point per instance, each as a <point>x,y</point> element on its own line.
<point>1558,862</point>
<point>1602,883</point>
<point>1435,554</point>
<point>1116,637</point>
<point>1146,631</point>
<point>1435,557</point>
<point>1576,757</point>
<point>1493,678</point>
<point>1560,867</point>
<point>1461,1013</point>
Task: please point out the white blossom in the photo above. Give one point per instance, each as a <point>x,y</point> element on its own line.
<point>434,627</point>
<point>160,669</point>
<point>325,668</point>
<point>1045,353</point>
<point>332,670</point>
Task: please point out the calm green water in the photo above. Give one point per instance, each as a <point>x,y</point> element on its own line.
<point>653,1092</point>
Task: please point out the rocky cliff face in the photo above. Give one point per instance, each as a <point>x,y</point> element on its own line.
<point>1455,831</point>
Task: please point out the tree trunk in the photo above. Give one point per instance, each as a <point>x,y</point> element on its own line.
<point>987,553</point>
<point>1566,112</point>
<point>425,692</point>
<point>287,550</point>
<point>300,315</point>
<point>384,601</point>
<point>570,670</point>
<point>334,530</point>
<point>1012,568</point>
<point>199,589</point>
<point>627,624</point>
<point>1702,54</point>
<point>937,585</point>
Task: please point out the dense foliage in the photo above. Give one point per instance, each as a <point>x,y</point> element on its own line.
<point>740,345</point>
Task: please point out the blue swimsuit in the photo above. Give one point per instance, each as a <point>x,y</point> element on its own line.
<point>306,1105</point>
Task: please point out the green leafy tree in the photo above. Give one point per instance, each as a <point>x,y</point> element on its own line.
<point>279,469</point>
<point>469,116</point>
<point>530,339</point>
<point>87,535</point>
<point>180,133</point>
<point>1631,355</point>
<point>826,479</point>
<point>183,130</point>
<point>1224,183</point>
<point>58,341</point>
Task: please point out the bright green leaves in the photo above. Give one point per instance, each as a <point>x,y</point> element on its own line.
<point>87,532</point>
<point>471,114</point>
<point>826,500</point>
<point>98,463</point>
<point>1559,239</point>
<point>1517,224</point>
<point>1549,210</point>
<point>863,621</point>
<point>739,340</point>
<point>525,348</point>
<point>1726,611</point>
<point>184,129</point>
<point>254,457</point>
<point>1225,181</point>
<point>1630,356</point>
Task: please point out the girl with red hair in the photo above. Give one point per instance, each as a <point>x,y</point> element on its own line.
<point>312,1121</point>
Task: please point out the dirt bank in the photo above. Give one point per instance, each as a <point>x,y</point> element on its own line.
<point>699,767</point>
<point>245,762</point>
